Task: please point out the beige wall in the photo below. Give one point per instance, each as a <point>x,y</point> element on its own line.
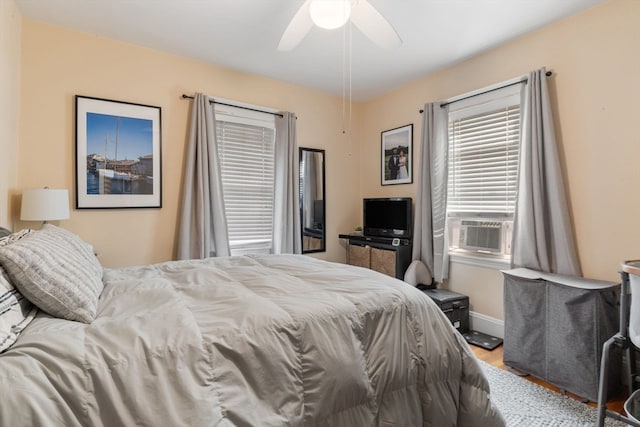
<point>595,91</point>
<point>58,63</point>
<point>10,26</point>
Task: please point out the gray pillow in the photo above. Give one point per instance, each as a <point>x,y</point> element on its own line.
<point>56,271</point>
<point>16,312</point>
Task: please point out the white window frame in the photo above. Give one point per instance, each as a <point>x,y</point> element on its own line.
<point>233,175</point>
<point>479,102</point>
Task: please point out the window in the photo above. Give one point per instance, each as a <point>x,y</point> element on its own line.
<point>246,142</point>
<point>484,148</point>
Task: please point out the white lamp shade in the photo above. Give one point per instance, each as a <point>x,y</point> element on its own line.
<point>418,273</point>
<point>330,14</point>
<point>44,204</point>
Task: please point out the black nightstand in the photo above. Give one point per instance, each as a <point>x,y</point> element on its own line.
<point>454,305</point>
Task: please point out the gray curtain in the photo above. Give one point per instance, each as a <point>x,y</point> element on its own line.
<point>429,238</point>
<point>286,216</point>
<point>202,231</point>
<point>542,234</point>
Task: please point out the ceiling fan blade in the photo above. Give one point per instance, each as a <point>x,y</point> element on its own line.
<point>368,20</point>
<point>297,29</point>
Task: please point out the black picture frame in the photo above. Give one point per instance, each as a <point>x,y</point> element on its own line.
<point>118,154</point>
<point>397,155</point>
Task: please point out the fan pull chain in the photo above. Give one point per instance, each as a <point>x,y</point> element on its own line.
<point>347,79</point>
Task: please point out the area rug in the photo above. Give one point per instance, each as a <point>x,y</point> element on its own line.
<point>526,404</point>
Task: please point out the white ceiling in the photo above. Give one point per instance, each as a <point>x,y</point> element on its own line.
<point>244,34</point>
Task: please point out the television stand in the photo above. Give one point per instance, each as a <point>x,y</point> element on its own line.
<point>387,255</point>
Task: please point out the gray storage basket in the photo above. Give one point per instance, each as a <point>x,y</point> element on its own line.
<point>632,406</point>
<point>555,327</point>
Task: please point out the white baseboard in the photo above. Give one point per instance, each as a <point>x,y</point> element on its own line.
<point>486,324</point>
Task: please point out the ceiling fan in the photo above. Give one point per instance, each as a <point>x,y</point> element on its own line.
<point>332,14</point>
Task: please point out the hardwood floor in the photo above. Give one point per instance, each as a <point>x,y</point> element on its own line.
<point>494,357</point>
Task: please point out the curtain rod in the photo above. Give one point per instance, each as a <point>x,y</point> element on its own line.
<point>444,104</point>
<point>236,106</point>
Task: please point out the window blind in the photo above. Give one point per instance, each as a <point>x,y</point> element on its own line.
<point>247,163</point>
<point>483,162</point>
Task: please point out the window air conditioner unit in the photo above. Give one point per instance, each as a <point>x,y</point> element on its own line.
<point>493,236</point>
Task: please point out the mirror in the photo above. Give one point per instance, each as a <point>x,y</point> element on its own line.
<point>312,206</point>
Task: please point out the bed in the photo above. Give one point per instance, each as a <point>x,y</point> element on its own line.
<point>259,340</point>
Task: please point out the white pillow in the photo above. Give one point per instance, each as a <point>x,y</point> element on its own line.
<point>56,271</point>
<point>16,312</point>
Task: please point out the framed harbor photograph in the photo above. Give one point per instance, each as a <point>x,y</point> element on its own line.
<point>397,155</point>
<point>118,154</point>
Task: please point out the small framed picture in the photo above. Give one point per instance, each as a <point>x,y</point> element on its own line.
<point>118,154</point>
<point>397,156</point>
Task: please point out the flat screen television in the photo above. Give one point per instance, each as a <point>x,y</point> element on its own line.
<point>387,217</point>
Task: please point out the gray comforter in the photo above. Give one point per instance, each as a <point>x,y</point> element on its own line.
<point>273,340</point>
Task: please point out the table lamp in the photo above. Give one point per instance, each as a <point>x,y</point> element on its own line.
<point>44,204</point>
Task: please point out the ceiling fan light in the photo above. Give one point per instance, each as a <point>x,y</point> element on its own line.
<point>330,14</point>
